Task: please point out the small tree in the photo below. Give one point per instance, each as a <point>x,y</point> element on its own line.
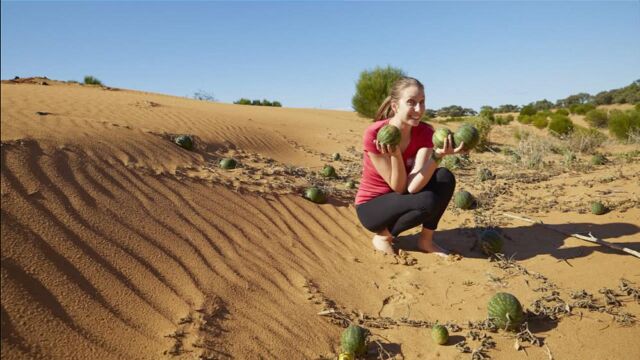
<point>276,104</point>
<point>256,102</point>
<point>528,110</point>
<point>622,124</point>
<point>597,118</point>
<point>560,125</point>
<point>372,88</point>
<point>243,101</point>
<point>90,80</point>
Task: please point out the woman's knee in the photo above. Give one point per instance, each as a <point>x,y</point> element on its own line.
<point>445,177</point>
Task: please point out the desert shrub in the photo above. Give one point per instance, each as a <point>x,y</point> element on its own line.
<point>256,102</point>
<point>90,80</point>
<point>372,88</point>
<point>487,112</point>
<point>276,104</point>
<point>540,121</point>
<point>243,101</point>
<point>503,120</point>
<point>484,128</point>
<point>521,134</point>
<point>637,107</point>
<point>585,140</point>
<point>525,119</point>
<point>597,118</point>
<point>562,112</point>
<point>560,125</point>
<point>531,151</point>
<point>624,124</point>
<point>581,109</point>
<point>528,110</point>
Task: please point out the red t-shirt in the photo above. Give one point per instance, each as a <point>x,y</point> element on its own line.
<point>372,184</point>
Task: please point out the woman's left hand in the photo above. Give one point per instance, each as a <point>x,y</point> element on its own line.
<point>448,149</point>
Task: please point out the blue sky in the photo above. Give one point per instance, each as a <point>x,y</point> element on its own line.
<point>310,54</point>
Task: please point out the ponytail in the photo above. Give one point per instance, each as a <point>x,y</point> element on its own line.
<point>384,111</point>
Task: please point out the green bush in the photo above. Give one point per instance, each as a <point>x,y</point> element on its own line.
<point>622,124</point>
<point>487,112</point>
<point>243,101</point>
<point>638,107</point>
<point>581,109</point>
<point>372,88</point>
<point>562,112</point>
<point>90,80</point>
<point>276,104</point>
<point>597,118</point>
<point>503,120</point>
<point>540,121</point>
<point>585,140</point>
<point>484,128</point>
<point>528,110</point>
<point>525,119</point>
<point>560,125</point>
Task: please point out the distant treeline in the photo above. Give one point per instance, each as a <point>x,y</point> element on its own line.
<point>580,103</point>
<point>264,102</point>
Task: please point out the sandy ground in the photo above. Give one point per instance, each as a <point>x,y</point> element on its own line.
<point>118,244</point>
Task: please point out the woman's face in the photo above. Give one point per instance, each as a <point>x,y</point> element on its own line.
<point>410,107</point>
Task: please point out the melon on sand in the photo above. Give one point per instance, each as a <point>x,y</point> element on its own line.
<point>354,340</point>
<point>438,137</point>
<point>389,135</point>
<point>315,195</point>
<point>439,334</point>
<point>328,171</point>
<point>491,242</point>
<point>184,141</point>
<point>228,163</point>
<point>336,156</point>
<point>468,134</point>
<point>505,311</point>
<point>598,208</point>
<point>463,199</point>
<point>350,184</point>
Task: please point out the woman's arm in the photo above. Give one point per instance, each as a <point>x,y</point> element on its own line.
<point>422,171</point>
<point>390,166</point>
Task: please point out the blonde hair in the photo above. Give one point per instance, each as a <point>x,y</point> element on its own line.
<point>385,111</point>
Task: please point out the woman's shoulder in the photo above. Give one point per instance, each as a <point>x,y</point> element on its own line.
<point>425,128</point>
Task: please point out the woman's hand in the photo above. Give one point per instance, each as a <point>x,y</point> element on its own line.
<point>447,148</point>
<point>386,149</point>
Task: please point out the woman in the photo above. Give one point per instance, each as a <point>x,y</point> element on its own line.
<point>401,186</point>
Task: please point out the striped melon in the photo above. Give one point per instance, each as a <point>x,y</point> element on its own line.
<point>491,242</point>
<point>439,334</point>
<point>598,208</point>
<point>228,163</point>
<point>315,195</point>
<point>389,135</point>
<point>328,171</point>
<point>184,141</point>
<point>438,137</point>
<point>505,311</point>
<point>354,340</point>
<point>463,199</point>
<point>468,134</point>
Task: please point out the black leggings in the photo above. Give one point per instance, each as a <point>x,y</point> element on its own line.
<point>401,212</point>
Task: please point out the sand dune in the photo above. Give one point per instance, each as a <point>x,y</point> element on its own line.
<point>118,244</point>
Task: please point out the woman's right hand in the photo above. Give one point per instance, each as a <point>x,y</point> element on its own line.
<point>386,149</point>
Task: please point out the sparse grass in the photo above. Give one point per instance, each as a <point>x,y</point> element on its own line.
<point>90,80</point>
<point>585,141</point>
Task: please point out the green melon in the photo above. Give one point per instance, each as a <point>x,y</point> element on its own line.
<point>463,199</point>
<point>336,156</point>
<point>354,340</point>
<point>315,195</point>
<point>350,184</point>
<point>598,159</point>
<point>485,174</point>
<point>439,334</point>
<point>468,134</point>
<point>184,141</point>
<point>491,242</point>
<point>389,135</point>
<point>505,311</point>
<point>598,208</point>
<point>438,137</point>
<point>328,171</point>
<point>451,162</point>
<point>228,163</point>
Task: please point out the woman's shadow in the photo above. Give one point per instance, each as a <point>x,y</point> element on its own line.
<point>525,242</point>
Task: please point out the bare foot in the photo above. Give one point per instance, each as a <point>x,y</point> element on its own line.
<point>431,247</point>
<point>383,243</point>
